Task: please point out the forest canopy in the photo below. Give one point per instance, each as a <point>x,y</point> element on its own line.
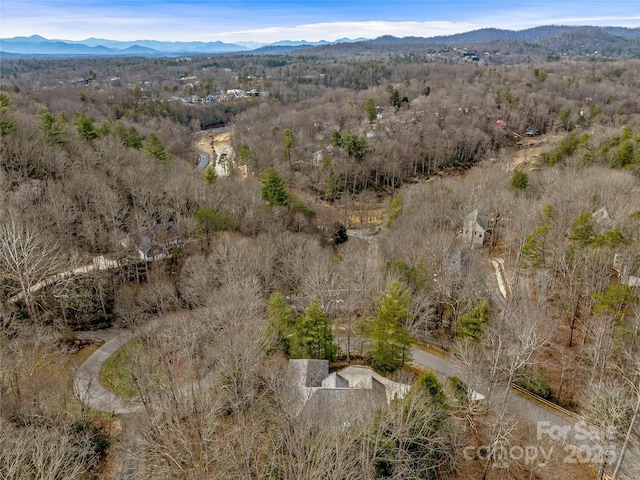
<point>365,206</point>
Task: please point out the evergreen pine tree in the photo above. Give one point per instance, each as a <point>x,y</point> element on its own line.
<point>52,126</point>
<point>7,124</point>
<point>391,341</point>
<point>86,127</point>
<point>155,149</point>
<point>370,109</point>
<point>288,141</point>
<point>281,319</point>
<point>470,324</point>
<point>314,334</point>
<point>273,187</point>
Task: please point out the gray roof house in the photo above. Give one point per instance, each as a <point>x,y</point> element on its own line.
<point>624,267</point>
<point>339,399</point>
<point>156,242</point>
<point>456,262</point>
<point>602,219</point>
<point>474,229</point>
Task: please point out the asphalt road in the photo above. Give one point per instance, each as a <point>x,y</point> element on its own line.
<point>578,442</point>
<point>570,432</point>
<point>522,407</point>
<point>87,385</point>
<point>93,393</point>
<point>205,158</point>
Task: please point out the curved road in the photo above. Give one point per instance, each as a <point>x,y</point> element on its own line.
<point>547,418</point>
<point>549,421</point>
<point>205,158</point>
<point>87,385</point>
<point>93,393</point>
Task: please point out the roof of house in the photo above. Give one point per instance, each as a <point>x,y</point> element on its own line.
<point>340,397</point>
<point>628,268</point>
<point>156,237</point>
<point>457,260</point>
<point>477,218</point>
<point>602,218</point>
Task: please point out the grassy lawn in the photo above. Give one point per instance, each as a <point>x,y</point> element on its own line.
<point>81,355</point>
<point>116,372</point>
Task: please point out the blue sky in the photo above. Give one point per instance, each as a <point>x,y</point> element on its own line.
<point>272,20</point>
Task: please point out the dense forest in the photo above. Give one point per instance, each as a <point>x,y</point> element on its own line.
<point>339,230</point>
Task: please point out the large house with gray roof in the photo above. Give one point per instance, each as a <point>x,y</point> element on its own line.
<point>341,398</point>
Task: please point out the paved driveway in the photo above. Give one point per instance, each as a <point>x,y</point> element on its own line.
<point>87,385</point>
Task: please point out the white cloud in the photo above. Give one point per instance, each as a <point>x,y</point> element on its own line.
<point>333,30</point>
<point>220,21</point>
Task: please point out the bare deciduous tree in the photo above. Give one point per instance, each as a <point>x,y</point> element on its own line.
<point>28,257</point>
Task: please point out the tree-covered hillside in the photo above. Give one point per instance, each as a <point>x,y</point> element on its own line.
<point>354,189</point>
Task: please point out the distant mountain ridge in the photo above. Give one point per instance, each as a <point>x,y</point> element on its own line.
<point>576,39</point>
<point>549,42</point>
<point>38,45</point>
<point>534,34</point>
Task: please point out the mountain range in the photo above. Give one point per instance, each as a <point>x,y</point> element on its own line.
<point>36,45</point>
<point>551,36</point>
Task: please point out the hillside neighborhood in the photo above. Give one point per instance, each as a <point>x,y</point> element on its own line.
<point>391,258</point>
